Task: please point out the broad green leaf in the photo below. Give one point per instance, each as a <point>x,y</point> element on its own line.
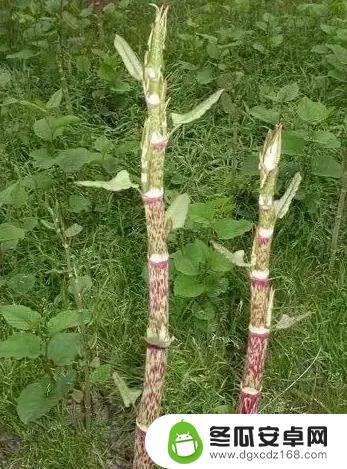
<point>55,100</point>
<point>20,317</point>
<point>8,194</point>
<point>29,223</point>
<point>10,232</point>
<point>63,121</point>
<point>66,319</point>
<point>282,205</point>
<point>236,258</point>
<point>73,230</point>
<point>20,346</point>
<point>228,229</point>
<point>293,142</point>
<point>204,76</point>
<point>190,257</point>
<point>288,92</point>
<point>270,116</point>
<point>129,58</point>
<point>44,129</point>
<point>326,166</point>
<point>70,20</point>
<point>101,374</point>
<point>326,138</point>
<point>186,265</point>
<point>33,402</point>
<point>64,348</point>
<point>340,53</point>
<point>83,284</point>
<point>177,212</point>
<point>21,283</point>
<point>42,158</point>
<point>312,112</point>
<point>188,287</point>
<point>128,395</point>
<point>218,263</point>
<point>197,112</point>
<point>119,183</point>
<point>83,63</point>
<point>201,213</point>
<point>79,203</point>
<point>74,159</point>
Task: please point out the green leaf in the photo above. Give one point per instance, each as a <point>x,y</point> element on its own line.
<point>312,112</point>
<point>204,76</point>
<point>42,158</point>
<point>78,203</point>
<point>74,159</point>
<point>270,116</point>
<point>44,129</point>
<point>188,287</point>
<point>10,232</point>
<point>228,229</point>
<point>293,142</point>
<point>55,100</point>
<point>64,347</point>
<point>201,213</point>
<point>326,166</point>
<point>20,317</point>
<point>236,258</point>
<point>23,54</point>
<point>20,346</point>
<point>83,284</point>
<point>197,112</point>
<point>129,58</point>
<point>21,283</point>
<point>326,138</point>
<point>73,230</point>
<point>66,319</point>
<point>33,402</point>
<point>218,263</point>
<point>288,92</point>
<point>339,52</point>
<point>177,212</point>
<point>190,257</point>
<point>70,20</point>
<point>8,195</point>
<point>128,395</point>
<point>101,374</point>
<point>119,183</point>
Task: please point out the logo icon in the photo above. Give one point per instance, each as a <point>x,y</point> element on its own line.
<point>185,445</point>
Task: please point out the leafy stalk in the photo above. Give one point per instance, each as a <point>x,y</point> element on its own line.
<point>262,294</point>
<point>339,211</point>
<point>78,298</point>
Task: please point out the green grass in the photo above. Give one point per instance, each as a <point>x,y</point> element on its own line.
<point>305,369</point>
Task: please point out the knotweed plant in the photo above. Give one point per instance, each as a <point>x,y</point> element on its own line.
<point>153,147</point>
<point>262,294</point>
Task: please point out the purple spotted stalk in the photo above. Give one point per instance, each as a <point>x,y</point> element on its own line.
<point>262,293</point>
<point>153,146</point>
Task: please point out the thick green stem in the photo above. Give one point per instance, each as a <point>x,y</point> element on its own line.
<point>153,152</point>
<point>339,211</point>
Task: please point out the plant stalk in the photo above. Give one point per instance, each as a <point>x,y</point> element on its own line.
<point>339,211</point>
<point>261,291</point>
<point>154,141</point>
<point>71,272</point>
